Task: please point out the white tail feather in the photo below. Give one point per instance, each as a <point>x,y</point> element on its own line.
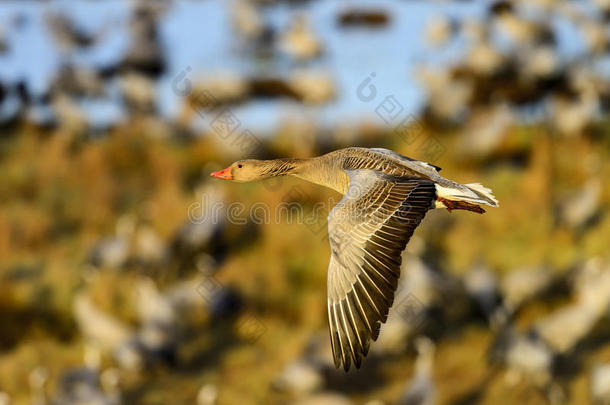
<point>474,193</point>
<point>484,191</point>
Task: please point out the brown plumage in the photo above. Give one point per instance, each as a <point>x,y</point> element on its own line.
<point>385,197</point>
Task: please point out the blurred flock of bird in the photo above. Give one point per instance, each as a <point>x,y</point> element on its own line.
<point>117,287</point>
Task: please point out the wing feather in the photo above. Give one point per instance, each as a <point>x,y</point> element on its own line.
<point>368,230</point>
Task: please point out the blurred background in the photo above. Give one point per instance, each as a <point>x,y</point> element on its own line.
<point>127,278</point>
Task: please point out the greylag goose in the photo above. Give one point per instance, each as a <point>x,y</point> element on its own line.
<point>385,197</point>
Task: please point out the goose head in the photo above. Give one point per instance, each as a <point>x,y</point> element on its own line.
<point>247,170</point>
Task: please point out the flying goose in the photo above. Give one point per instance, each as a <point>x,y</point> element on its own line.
<point>385,197</point>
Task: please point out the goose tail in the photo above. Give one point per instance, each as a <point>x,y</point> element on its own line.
<point>484,193</point>
<point>473,193</point>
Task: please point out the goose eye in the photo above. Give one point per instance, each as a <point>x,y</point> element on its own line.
<point>240,166</point>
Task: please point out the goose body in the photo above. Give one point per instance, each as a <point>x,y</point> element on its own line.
<point>385,197</point>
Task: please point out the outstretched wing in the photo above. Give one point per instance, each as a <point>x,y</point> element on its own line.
<point>368,230</point>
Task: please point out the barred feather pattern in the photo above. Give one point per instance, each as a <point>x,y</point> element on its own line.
<point>368,231</point>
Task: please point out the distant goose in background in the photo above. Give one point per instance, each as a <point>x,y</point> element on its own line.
<point>482,286</point>
<point>250,24</point>
<point>299,41</point>
<point>523,355</point>
<point>363,17</point>
<point>88,385</point>
<point>139,93</point>
<point>69,35</point>
<point>524,284</point>
<point>579,208</point>
<point>247,20</point>
<point>519,30</point>
<point>600,384</point>
<point>145,54</point>
<point>526,357</point>
<point>592,286</point>
<point>113,251</point>
<point>552,328</point>
<point>299,377</point>
<point>207,395</point>
<point>70,114</point>
<point>158,333</point>
<point>440,30</point>
<point>386,196</point>
<point>37,379</point>
<point>421,390</point>
<point>312,87</point>
<point>448,93</point>
<point>110,334</point>
<point>77,82</point>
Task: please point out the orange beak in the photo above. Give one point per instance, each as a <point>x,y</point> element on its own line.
<point>224,174</point>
